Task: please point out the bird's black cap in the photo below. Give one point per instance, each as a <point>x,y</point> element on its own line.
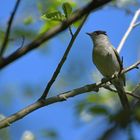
<point>100,32</point>
<point>97,33</point>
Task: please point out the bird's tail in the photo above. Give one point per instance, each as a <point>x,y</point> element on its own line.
<point>122,95</point>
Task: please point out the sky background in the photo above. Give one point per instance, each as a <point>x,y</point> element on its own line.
<point>36,68</point>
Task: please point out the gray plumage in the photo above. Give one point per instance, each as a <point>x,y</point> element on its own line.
<point>108,62</point>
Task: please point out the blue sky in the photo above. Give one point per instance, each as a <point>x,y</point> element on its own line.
<point>36,69</point>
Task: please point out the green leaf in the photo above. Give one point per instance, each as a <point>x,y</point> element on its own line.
<point>80,106</point>
<point>48,25</point>
<point>28,20</point>
<point>99,110</point>
<point>67,9</point>
<point>55,15</point>
<point>50,133</point>
<point>77,23</point>
<point>97,98</point>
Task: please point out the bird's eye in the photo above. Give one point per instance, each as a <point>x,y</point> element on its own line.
<point>95,34</point>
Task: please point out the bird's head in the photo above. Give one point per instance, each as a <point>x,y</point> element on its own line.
<point>97,35</point>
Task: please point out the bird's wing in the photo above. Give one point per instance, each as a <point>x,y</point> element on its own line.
<point>118,58</point>
<point>120,63</point>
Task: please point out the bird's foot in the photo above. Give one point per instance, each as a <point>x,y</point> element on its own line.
<point>104,80</point>
<point>115,75</point>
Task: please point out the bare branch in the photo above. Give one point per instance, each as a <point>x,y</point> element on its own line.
<point>44,95</point>
<point>130,28</point>
<point>127,92</point>
<point>45,102</point>
<point>136,24</point>
<point>7,34</point>
<point>133,95</point>
<point>109,88</point>
<point>93,5</point>
<point>61,97</point>
<point>134,66</point>
<point>70,30</point>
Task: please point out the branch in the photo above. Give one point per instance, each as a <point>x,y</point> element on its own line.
<point>134,66</point>
<point>130,28</point>
<point>127,92</point>
<point>59,98</point>
<point>93,5</point>
<point>44,95</point>
<point>7,34</point>
<point>41,103</point>
<point>137,24</point>
<point>133,95</point>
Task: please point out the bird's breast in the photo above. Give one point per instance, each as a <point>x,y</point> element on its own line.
<point>105,61</point>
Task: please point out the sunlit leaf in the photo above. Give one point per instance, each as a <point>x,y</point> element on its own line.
<point>48,25</point>
<point>67,9</point>
<point>77,23</point>
<point>55,15</point>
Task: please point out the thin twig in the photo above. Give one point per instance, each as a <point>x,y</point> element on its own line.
<point>134,66</point>
<point>136,24</point>
<point>59,98</point>
<point>134,91</point>
<point>7,34</point>
<point>62,61</point>
<point>129,93</point>
<point>70,30</point>
<point>130,28</point>
<point>45,102</point>
<point>93,5</point>
<point>109,88</point>
<point>133,95</point>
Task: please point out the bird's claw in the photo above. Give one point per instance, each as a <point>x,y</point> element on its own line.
<point>116,75</point>
<point>103,80</point>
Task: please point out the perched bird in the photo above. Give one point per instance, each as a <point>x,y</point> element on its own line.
<point>108,62</point>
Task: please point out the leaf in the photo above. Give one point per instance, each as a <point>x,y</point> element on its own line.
<point>67,9</point>
<point>99,110</point>
<point>50,133</point>
<point>48,25</point>
<point>80,106</point>
<point>28,20</point>
<point>77,23</point>
<point>97,98</point>
<point>55,15</point>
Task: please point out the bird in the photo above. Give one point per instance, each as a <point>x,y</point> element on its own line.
<point>108,62</point>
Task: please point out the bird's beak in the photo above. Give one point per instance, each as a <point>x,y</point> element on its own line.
<point>88,34</point>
